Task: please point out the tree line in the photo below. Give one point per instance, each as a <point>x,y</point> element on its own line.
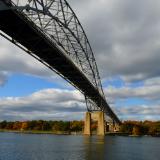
<point>129,127</point>
<point>141,127</point>
<point>41,125</point>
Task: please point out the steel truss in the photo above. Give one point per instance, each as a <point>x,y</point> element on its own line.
<point>56,19</point>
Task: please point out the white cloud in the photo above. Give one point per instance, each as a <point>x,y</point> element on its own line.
<point>125,36</point>
<point>65,105</point>
<point>139,112</point>
<point>44,104</point>
<point>148,92</point>
<point>15,61</point>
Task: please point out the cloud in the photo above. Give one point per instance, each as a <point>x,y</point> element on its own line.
<point>66,105</point>
<point>44,104</point>
<point>139,112</point>
<point>125,36</point>
<point>148,95</point>
<point>143,92</point>
<point>15,61</point>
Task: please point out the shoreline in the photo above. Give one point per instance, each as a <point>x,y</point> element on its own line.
<point>42,132</point>
<point>73,133</point>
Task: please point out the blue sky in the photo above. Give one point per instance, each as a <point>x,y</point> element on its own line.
<point>126,43</point>
<point>23,85</point>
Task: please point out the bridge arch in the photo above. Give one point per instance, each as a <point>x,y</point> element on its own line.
<point>50,31</point>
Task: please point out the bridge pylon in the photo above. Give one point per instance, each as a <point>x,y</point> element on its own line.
<point>87,124</point>
<point>99,116</point>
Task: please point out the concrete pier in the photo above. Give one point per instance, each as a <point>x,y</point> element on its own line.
<point>101,124</point>
<point>87,124</point>
<point>99,116</point>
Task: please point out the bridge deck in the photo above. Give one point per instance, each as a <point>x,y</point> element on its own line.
<point>18,27</point>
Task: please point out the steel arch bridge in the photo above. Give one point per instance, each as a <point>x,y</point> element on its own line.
<point>50,31</point>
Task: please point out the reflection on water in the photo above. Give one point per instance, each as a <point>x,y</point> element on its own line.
<point>53,147</point>
<point>94,147</point>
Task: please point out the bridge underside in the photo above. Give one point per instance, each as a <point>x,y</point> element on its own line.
<point>25,32</point>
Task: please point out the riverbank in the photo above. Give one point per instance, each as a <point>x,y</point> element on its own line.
<point>74,133</point>
<point>59,132</point>
<point>130,135</point>
<point>42,132</point>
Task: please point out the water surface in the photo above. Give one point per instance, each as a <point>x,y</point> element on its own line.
<point>59,147</point>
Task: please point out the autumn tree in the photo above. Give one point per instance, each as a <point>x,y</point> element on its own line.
<point>17,125</point>
<point>24,126</point>
<point>136,130</point>
<point>76,125</point>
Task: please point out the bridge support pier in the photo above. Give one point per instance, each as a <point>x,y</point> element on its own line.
<point>99,116</point>
<point>101,124</point>
<point>87,124</point>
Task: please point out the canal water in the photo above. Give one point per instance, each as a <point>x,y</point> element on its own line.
<point>59,147</point>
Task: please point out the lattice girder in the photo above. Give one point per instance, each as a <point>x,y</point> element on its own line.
<point>58,21</point>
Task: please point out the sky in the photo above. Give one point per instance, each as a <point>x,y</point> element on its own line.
<point>125,38</point>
